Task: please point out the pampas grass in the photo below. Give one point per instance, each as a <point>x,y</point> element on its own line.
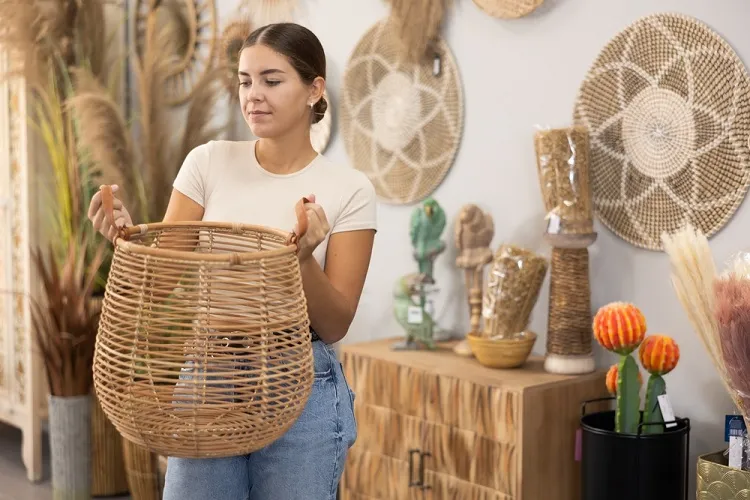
<point>733,319</point>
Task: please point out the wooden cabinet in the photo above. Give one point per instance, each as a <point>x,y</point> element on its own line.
<point>434,425</point>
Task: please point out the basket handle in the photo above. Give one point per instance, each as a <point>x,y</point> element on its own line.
<point>302,222</point>
<point>108,203</point>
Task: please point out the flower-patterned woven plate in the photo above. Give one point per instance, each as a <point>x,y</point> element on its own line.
<point>667,105</point>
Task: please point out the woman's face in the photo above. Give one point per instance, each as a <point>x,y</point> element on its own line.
<point>272,96</point>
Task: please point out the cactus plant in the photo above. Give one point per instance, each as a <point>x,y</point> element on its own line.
<point>611,379</point>
<point>659,355</point>
<point>620,327</point>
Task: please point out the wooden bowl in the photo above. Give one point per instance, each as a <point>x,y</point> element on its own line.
<point>502,353</point>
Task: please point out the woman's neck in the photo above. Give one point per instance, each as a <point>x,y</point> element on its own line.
<point>285,155</point>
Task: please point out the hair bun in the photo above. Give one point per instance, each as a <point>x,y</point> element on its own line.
<point>319,110</point>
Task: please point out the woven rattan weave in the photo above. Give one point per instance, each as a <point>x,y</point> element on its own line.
<point>204,340</point>
<point>667,103</point>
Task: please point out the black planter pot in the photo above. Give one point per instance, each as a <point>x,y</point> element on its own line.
<point>616,466</point>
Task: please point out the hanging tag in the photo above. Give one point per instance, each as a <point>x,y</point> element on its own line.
<point>436,65</point>
<point>579,445</point>
<point>666,409</point>
<point>553,223</point>
<point>733,423</point>
<point>414,315</point>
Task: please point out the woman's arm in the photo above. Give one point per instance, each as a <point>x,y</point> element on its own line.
<point>333,295</point>
<point>181,208</point>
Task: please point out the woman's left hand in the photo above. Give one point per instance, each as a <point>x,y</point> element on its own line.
<point>317,229</point>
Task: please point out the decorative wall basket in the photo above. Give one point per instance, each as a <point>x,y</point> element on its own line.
<point>320,133</point>
<point>667,103</point>
<point>195,40</point>
<point>508,9</point>
<point>401,123</point>
<point>204,343</point>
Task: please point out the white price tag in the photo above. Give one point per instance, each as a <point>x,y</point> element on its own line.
<point>735,452</point>
<point>553,223</point>
<point>414,315</point>
<point>666,409</point>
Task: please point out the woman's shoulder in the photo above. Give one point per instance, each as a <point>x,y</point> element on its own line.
<point>344,177</point>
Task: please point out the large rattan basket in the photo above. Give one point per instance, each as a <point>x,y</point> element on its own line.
<point>204,339</point>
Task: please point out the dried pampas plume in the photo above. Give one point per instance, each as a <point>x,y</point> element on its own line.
<point>417,25</point>
<point>733,318</point>
<point>104,135</point>
<point>232,38</point>
<point>198,128</point>
<point>263,12</point>
<point>25,34</point>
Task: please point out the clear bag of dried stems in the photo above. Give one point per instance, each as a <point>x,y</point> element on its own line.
<point>562,156</point>
<point>515,278</point>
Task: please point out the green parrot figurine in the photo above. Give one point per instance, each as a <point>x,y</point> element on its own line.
<point>426,228</point>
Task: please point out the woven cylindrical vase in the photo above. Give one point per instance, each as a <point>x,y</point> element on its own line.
<point>70,446</point>
<point>569,331</point>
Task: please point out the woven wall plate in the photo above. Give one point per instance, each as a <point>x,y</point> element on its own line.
<point>320,133</point>
<point>508,9</point>
<point>401,124</point>
<point>667,104</point>
<point>196,38</point>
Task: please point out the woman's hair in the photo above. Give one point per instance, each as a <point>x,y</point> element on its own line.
<point>301,47</point>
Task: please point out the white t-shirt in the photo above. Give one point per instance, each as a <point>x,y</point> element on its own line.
<point>224,177</point>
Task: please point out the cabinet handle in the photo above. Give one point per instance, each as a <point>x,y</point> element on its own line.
<point>411,468</point>
<point>421,470</point>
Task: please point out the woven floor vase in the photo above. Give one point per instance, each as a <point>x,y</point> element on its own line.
<point>204,339</point>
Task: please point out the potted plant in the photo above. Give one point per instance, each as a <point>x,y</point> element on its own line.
<point>65,327</point>
<point>633,452</point>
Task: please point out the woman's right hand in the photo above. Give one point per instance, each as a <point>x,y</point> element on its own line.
<point>99,220</point>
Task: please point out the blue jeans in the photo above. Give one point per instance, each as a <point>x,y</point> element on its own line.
<point>304,463</point>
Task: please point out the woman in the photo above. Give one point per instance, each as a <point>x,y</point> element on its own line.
<point>281,75</point>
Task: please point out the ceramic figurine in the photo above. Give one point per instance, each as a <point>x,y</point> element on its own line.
<point>427,225</point>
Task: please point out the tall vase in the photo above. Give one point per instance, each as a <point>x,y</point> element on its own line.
<point>70,446</point>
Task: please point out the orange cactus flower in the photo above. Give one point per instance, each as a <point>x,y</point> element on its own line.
<point>619,327</point>
<point>611,380</point>
<point>659,354</point>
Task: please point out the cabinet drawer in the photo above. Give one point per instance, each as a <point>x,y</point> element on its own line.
<point>369,475</point>
<point>384,432</point>
<point>444,487</point>
<point>390,385</point>
<point>490,411</point>
<point>470,457</point>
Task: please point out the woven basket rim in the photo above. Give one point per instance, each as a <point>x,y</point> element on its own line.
<point>140,230</point>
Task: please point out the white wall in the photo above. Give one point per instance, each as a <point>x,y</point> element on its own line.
<point>517,74</point>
